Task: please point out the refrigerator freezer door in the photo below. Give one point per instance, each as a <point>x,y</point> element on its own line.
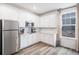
<point>10,42</point>
<point>10,25</point>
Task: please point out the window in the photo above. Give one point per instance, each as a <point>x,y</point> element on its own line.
<point>68,24</point>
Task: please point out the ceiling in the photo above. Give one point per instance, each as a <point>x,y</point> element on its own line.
<point>40,8</point>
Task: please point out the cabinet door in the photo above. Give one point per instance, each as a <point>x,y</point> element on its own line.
<point>9,12</point>
<point>48,38</point>
<point>29,37</point>
<point>48,21</point>
<point>27,40</point>
<point>23,42</point>
<point>34,38</point>
<point>22,18</point>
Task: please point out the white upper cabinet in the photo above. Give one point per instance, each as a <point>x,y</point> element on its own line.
<point>35,20</point>
<point>8,12</point>
<point>48,21</point>
<point>22,17</point>
<point>29,17</point>
<point>1,8</point>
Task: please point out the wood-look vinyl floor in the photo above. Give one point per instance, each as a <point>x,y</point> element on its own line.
<point>44,49</point>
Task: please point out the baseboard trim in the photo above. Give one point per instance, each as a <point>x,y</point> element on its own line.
<point>68,48</point>
<point>47,43</point>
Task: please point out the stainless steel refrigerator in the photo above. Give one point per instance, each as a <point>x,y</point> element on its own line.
<point>9,37</point>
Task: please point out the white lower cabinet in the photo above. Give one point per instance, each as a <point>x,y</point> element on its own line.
<point>48,38</point>
<point>23,42</point>
<point>34,38</point>
<point>27,40</point>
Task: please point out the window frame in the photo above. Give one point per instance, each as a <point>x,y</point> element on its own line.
<point>70,10</point>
